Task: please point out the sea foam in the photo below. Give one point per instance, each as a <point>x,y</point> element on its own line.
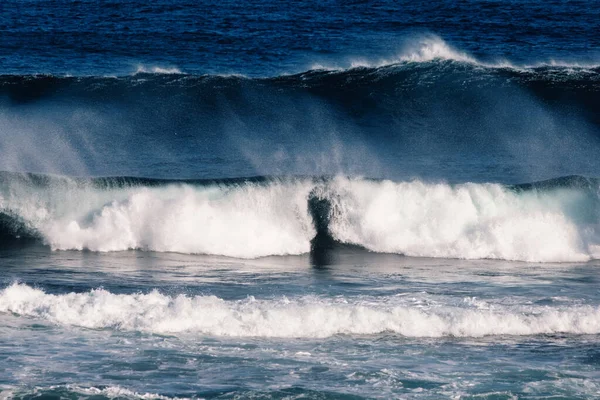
<point>68,391</point>
<point>304,317</point>
<point>249,220</point>
<point>466,221</point>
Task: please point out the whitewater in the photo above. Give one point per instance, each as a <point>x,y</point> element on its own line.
<point>309,317</point>
<point>277,216</point>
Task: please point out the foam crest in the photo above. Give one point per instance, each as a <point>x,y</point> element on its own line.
<point>67,391</point>
<point>276,217</point>
<point>431,48</point>
<point>142,69</point>
<point>306,317</point>
<point>244,222</point>
<point>424,49</point>
<point>466,221</point>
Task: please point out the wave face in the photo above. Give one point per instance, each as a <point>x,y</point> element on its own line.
<point>434,63</point>
<point>431,112</point>
<point>556,220</point>
<point>308,317</point>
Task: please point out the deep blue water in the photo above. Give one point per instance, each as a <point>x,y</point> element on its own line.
<point>285,200</point>
<point>269,38</point>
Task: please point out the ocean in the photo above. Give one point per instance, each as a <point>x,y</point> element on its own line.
<point>299,200</point>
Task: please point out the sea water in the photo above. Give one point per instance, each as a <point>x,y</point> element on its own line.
<point>282,200</point>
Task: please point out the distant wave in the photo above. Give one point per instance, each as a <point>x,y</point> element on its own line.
<point>429,51</point>
<point>423,49</point>
<point>550,221</point>
<point>433,48</point>
<point>366,87</point>
<point>144,69</point>
<point>305,317</point>
<point>434,62</point>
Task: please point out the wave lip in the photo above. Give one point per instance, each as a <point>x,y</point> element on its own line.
<point>431,48</point>
<point>143,69</point>
<point>307,317</point>
<point>425,49</point>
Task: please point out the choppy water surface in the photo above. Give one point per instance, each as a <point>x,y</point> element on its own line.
<point>368,326</point>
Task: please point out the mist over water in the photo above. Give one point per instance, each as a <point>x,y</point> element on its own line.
<point>433,113</point>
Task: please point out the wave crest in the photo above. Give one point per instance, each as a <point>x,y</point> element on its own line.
<point>467,221</point>
<point>552,221</point>
<point>430,48</point>
<point>307,317</point>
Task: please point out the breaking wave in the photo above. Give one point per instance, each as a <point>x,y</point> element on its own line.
<point>307,317</point>
<point>430,48</point>
<point>550,221</point>
<point>423,63</point>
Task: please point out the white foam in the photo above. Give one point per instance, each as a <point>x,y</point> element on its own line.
<point>306,317</point>
<point>418,219</point>
<point>118,392</point>
<point>465,221</point>
<point>431,47</point>
<point>110,392</point>
<point>141,69</point>
<point>244,222</point>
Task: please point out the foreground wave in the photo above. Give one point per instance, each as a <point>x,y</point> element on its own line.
<point>556,220</point>
<point>310,316</point>
<point>81,392</point>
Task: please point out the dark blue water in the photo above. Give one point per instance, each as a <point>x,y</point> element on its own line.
<point>269,38</point>
<point>284,200</point>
